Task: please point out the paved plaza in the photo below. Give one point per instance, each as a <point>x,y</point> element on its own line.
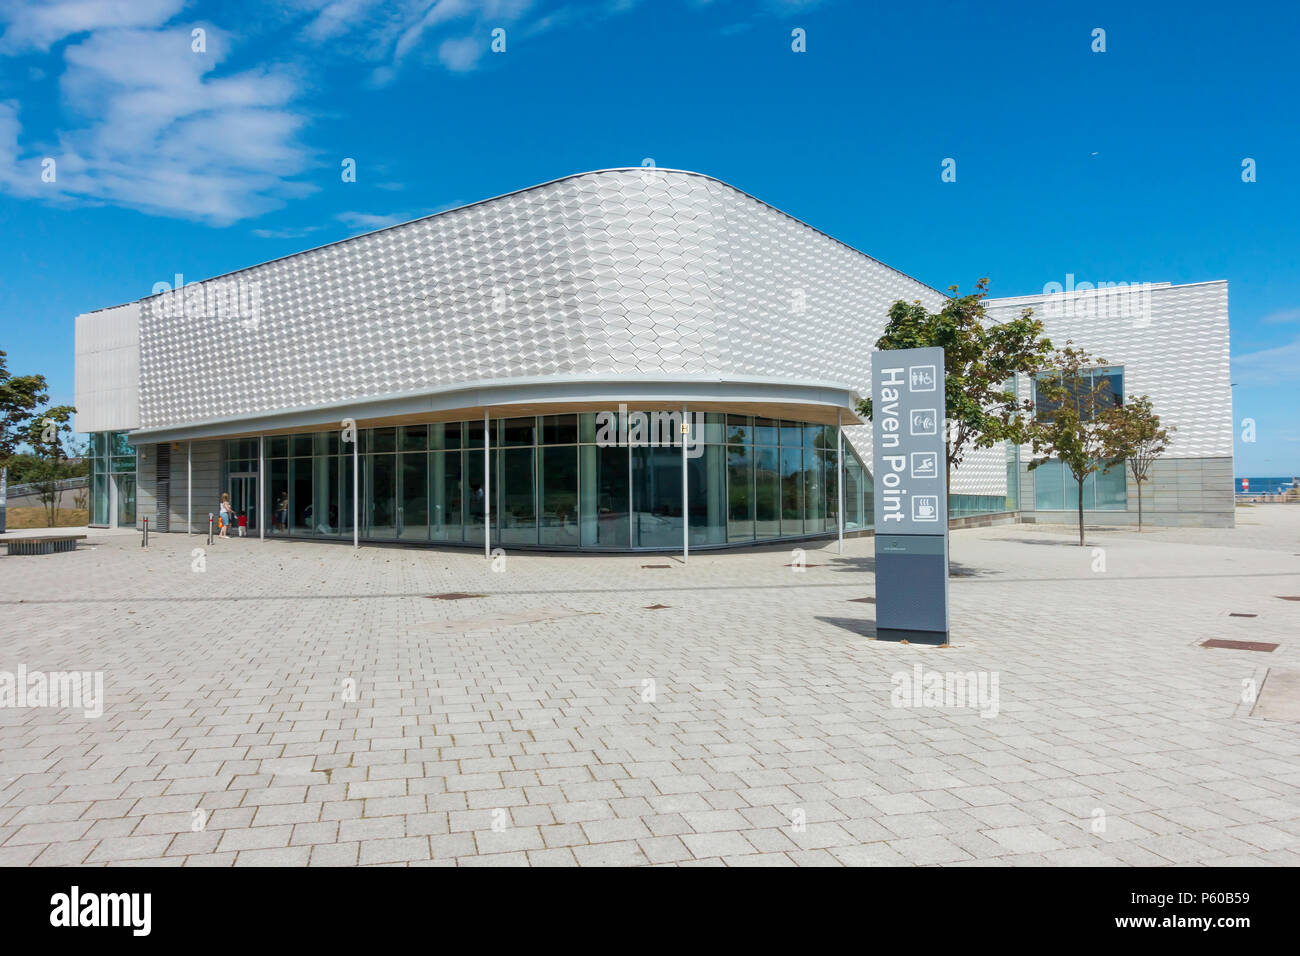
<point>296,703</point>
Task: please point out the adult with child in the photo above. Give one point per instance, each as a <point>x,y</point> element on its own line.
<point>226,515</point>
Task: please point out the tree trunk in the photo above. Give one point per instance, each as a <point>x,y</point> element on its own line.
<point>1080,481</point>
<point>1139,484</point>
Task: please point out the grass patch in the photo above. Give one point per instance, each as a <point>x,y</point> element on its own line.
<point>37,517</point>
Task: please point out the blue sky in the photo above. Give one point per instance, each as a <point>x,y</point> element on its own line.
<point>1115,166</point>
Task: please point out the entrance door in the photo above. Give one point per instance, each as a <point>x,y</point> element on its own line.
<point>124,500</point>
<point>243,498</point>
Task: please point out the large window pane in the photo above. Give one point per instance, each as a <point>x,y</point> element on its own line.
<point>99,500</point>
<point>300,496</point>
<point>740,493</point>
<point>830,480</point>
<point>1111,382</point>
<point>474,490</point>
<point>445,435</point>
<point>413,438</point>
<point>513,481</point>
<point>814,489</point>
<point>347,467</point>
<point>852,491</point>
<point>518,431</point>
<point>604,503</point>
<point>560,430</point>
<point>413,508</point>
<point>792,434</point>
<point>324,507</point>
<point>767,492</point>
<point>326,443</point>
<point>657,497</point>
<point>711,431</point>
<point>1111,488</point>
<point>557,481</point>
<point>380,495</point>
<point>707,495</point>
<point>766,431</point>
<point>445,511</point>
<point>277,494</point>
<point>125,500</point>
<point>1049,487</point>
<point>739,430</point>
<point>791,491</point>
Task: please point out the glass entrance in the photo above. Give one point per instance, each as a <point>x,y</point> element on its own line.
<point>124,492</point>
<point>243,498</point>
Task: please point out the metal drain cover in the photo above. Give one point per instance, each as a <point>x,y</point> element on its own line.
<point>1239,645</point>
<point>656,565</point>
<point>1240,614</point>
<point>658,607</point>
<point>454,596</point>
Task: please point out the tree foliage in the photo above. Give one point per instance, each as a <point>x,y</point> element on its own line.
<point>1136,436</point>
<point>981,360</point>
<point>1073,419</point>
<point>20,397</point>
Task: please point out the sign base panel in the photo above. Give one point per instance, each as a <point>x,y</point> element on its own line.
<point>911,636</point>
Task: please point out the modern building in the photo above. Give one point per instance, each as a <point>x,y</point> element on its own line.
<point>1170,343</point>
<point>578,326</point>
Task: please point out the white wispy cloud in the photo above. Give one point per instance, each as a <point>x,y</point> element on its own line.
<point>1279,365</point>
<point>151,124</point>
<point>39,24</point>
<point>290,232</point>
<point>366,221</point>
<point>454,34</point>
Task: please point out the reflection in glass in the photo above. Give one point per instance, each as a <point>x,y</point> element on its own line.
<point>707,495</point>
<point>603,510</point>
<point>380,495</point>
<point>445,509</point>
<point>413,509</point>
<point>513,484</point>
<point>740,491</point>
<point>557,481</point>
<point>767,492</point>
<point>791,491</point>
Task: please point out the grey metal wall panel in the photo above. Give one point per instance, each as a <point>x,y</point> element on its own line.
<point>107,369</point>
<point>1179,492</point>
<point>146,505</point>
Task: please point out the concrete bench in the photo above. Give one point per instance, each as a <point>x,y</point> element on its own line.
<point>42,544</point>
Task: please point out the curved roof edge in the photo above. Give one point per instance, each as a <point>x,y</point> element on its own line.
<point>526,189</point>
<point>544,389</point>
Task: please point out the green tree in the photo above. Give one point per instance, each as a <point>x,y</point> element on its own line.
<point>1136,436</point>
<point>1072,421</point>
<point>20,397</point>
<point>45,436</point>
<point>981,359</point>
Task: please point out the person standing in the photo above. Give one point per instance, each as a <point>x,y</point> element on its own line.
<point>227,514</point>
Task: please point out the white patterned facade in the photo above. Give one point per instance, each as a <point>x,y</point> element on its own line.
<point>622,275</point>
<point>1172,341</point>
<point>634,272</point>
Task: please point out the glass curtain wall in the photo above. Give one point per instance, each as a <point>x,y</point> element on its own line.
<point>112,469</point>
<point>558,482</point>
